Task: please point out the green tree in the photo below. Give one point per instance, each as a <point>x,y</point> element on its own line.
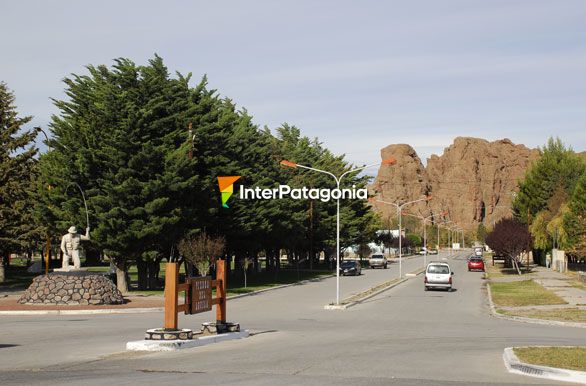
<point>575,219</point>
<point>543,194</point>
<point>17,174</point>
<point>414,240</point>
<point>481,233</point>
<point>548,181</point>
<point>120,136</point>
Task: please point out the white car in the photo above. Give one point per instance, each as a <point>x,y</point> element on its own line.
<point>438,275</point>
<point>377,261</point>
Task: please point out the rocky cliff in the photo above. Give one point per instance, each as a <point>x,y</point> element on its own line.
<point>473,181</point>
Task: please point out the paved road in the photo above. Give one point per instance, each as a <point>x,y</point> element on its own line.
<point>403,336</point>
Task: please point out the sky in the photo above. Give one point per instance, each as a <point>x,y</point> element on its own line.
<point>359,75</point>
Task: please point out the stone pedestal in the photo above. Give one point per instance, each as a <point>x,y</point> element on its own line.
<point>219,328</point>
<point>74,287</point>
<point>163,334</point>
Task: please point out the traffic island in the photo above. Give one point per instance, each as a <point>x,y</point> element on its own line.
<point>198,339</point>
<point>161,339</point>
<point>516,366</point>
<point>371,292</point>
<point>197,299</point>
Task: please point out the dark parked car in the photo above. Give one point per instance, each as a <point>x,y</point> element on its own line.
<point>475,264</point>
<point>350,267</point>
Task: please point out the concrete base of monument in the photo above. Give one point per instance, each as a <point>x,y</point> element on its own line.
<point>178,344</point>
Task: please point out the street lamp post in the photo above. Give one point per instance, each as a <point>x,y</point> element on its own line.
<point>48,242</point>
<point>388,161</point>
<point>438,233</point>
<point>399,210</point>
<point>424,219</point>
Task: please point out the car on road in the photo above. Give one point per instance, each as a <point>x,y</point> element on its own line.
<point>438,275</point>
<point>350,267</point>
<point>475,264</point>
<point>378,260</point>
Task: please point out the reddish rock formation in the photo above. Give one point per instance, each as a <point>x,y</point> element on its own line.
<point>473,181</point>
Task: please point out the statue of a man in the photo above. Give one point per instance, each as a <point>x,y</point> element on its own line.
<point>70,247</point>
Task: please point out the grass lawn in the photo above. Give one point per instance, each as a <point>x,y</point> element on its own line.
<point>522,293</point>
<point>572,358</point>
<point>18,278</point>
<point>254,283</point>
<point>498,270</point>
<point>562,314</point>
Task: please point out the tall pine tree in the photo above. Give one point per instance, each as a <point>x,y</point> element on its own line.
<point>17,171</point>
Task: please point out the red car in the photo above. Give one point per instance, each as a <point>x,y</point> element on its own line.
<point>475,264</point>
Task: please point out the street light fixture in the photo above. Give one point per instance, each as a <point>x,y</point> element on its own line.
<point>388,161</point>
<point>438,232</point>
<point>425,232</point>
<point>399,210</point>
<point>48,242</point>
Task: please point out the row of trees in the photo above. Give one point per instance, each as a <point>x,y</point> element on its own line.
<point>122,135</point>
<point>552,202</point>
<point>17,175</point>
<point>549,210</point>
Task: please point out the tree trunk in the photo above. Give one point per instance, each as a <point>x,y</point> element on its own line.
<point>2,273</point>
<point>153,274</point>
<point>121,281</point>
<point>141,267</point>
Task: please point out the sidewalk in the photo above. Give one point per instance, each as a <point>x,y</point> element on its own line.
<point>9,303</point>
<point>553,281</point>
<point>562,285</point>
<point>568,289</point>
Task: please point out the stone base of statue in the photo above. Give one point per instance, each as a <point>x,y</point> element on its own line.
<point>73,287</point>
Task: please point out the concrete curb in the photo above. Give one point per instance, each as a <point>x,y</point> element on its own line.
<point>106,311</point>
<point>172,345</point>
<point>515,366</point>
<point>103,311</point>
<point>371,295</point>
<point>528,320</point>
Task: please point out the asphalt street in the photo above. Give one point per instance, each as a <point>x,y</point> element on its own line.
<point>402,336</point>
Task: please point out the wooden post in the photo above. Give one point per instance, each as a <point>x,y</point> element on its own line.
<point>221,291</point>
<point>47,255</point>
<point>171,295</point>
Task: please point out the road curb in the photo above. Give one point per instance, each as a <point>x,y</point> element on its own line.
<point>173,345</point>
<point>104,311</point>
<point>371,295</point>
<point>515,366</point>
<point>528,320</point>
